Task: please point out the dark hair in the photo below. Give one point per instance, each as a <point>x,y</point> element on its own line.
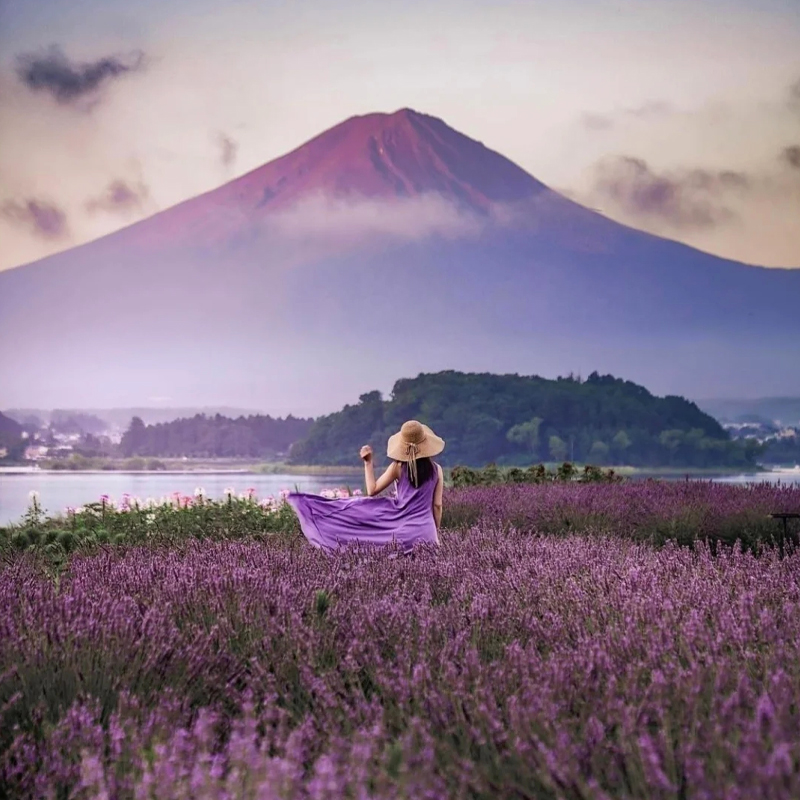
<point>425,471</point>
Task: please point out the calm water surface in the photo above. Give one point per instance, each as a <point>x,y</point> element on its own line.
<point>59,490</point>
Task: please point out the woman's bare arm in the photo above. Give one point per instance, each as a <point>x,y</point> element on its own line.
<point>391,474</point>
<point>438,493</point>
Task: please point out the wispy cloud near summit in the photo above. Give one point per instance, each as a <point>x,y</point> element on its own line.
<point>693,198</point>
<point>344,220</point>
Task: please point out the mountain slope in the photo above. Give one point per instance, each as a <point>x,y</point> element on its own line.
<point>376,156</point>
<point>390,244</point>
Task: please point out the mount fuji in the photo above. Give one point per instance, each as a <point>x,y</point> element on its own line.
<point>387,246</point>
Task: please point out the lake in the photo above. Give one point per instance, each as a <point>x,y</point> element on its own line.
<point>57,490</point>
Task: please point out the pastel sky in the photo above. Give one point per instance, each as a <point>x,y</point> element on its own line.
<point>681,117</point>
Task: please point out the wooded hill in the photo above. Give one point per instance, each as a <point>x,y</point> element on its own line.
<point>255,436</point>
<point>12,444</point>
<point>512,419</point>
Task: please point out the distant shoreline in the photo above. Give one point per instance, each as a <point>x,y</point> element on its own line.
<point>258,468</point>
<point>261,468</point>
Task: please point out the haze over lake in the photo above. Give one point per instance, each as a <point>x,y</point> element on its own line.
<point>59,490</point>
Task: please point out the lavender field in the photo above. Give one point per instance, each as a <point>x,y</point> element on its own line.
<point>559,644</point>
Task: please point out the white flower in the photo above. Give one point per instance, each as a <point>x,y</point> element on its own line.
<point>229,492</point>
<point>79,510</point>
<point>201,493</point>
<point>34,495</point>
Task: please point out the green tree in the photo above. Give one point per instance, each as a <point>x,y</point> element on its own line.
<point>134,438</point>
<point>487,418</point>
<point>672,439</point>
<point>558,448</point>
<point>598,453</point>
<point>526,434</point>
<point>621,441</point>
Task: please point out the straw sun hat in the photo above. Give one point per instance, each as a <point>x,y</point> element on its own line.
<point>414,440</point>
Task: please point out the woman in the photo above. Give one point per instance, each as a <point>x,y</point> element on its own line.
<point>411,517</point>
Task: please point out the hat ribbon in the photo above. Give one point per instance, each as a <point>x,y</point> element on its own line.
<point>411,457</point>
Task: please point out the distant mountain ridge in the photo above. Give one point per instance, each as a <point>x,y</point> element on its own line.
<point>121,417</point>
<point>781,409</point>
<point>268,291</point>
<point>202,436</point>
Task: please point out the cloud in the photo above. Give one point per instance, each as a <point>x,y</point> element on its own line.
<point>791,156</point>
<point>597,122</point>
<point>43,218</point>
<point>228,149</point>
<point>68,81</point>
<point>119,197</point>
<point>654,109</point>
<point>339,219</point>
<point>685,198</point>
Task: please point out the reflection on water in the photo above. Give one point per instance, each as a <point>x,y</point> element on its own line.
<point>787,476</point>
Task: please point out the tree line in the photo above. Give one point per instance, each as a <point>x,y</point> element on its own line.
<point>12,444</point>
<point>201,436</point>
<point>518,420</point>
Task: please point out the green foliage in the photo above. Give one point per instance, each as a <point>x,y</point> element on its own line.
<point>599,452</point>
<point>322,602</point>
<point>463,477</point>
<point>62,421</point>
<point>76,461</point>
<point>526,434</point>
<point>511,419</point>
<point>201,436</point>
<point>99,524</point>
<point>783,451</point>
<point>11,440</point>
<point>557,448</point>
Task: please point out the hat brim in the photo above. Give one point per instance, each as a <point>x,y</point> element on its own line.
<point>430,446</point>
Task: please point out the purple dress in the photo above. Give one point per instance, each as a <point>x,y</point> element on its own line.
<point>406,518</point>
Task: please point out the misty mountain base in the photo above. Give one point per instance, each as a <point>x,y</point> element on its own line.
<point>515,420</point>
<point>240,666</point>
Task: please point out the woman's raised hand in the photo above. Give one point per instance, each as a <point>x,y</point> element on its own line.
<point>366,453</point>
